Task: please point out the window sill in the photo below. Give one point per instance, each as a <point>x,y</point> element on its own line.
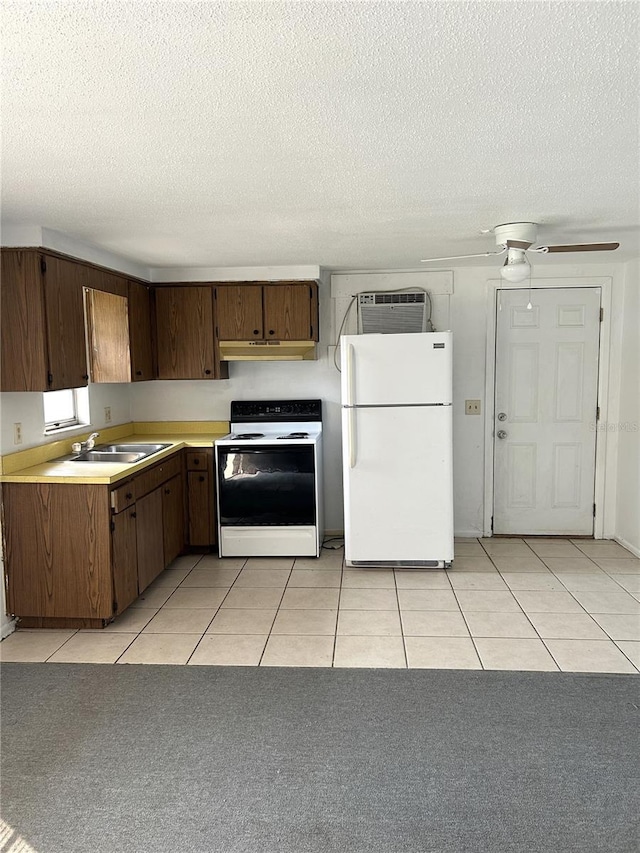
<point>78,428</point>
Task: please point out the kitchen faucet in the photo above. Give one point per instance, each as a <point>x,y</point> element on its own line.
<point>89,444</point>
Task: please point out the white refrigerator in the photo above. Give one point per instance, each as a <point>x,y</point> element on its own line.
<point>397,449</point>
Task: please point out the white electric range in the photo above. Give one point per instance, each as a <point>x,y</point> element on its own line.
<point>269,480</point>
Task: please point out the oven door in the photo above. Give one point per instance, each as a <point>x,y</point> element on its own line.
<point>266,485</point>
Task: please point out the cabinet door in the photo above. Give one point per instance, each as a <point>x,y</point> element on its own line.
<point>124,558</point>
<point>100,279</point>
<point>239,312</point>
<point>23,323</point>
<point>63,283</point>
<point>173,518</point>
<point>288,312</point>
<point>58,553</point>
<point>184,325</point>
<point>140,332</point>
<point>201,518</point>
<point>108,337</point>
<point>149,538</point>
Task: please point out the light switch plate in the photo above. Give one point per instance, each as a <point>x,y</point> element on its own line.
<point>472,407</point>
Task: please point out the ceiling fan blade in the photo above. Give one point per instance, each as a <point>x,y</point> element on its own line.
<point>461,257</point>
<point>581,247</point>
<point>518,244</point>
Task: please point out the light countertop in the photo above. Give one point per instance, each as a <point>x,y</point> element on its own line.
<point>62,470</point>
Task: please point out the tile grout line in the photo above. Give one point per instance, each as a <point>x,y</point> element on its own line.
<point>475,647</point>
<point>400,620</point>
<point>335,636</point>
<point>270,634</point>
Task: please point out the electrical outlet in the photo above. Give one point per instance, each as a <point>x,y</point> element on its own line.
<point>107,414</point>
<point>472,407</point>
<point>17,433</point>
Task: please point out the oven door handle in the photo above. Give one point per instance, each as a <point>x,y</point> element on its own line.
<point>352,434</point>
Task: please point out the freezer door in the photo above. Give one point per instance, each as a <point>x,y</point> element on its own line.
<point>380,370</point>
<point>398,489</point>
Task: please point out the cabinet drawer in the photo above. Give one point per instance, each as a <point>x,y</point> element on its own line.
<point>149,480</point>
<point>123,496</point>
<point>197,460</point>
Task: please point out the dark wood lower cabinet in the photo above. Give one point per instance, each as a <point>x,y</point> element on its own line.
<point>201,498</point>
<point>58,550</point>
<point>200,527</point>
<point>149,538</point>
<point>173,518</point>
<point>79,554</point>
<point>125,558</point>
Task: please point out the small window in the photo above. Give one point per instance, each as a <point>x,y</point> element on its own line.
<point>60,409</point>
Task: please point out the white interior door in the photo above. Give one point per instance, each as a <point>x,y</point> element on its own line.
<point>545,411</point>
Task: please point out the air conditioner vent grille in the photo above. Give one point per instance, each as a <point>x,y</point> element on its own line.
<point>399,298</point>
<point>392,313</point>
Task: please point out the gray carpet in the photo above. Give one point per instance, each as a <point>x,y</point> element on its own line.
<point>148,759</point>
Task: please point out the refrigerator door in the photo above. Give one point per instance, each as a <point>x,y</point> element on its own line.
<point>388,370</point>
<point>398,488</point>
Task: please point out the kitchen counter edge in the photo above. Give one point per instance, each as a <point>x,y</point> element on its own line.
<point>65,471</point>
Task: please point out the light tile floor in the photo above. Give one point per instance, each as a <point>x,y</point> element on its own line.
<point>510,604</point>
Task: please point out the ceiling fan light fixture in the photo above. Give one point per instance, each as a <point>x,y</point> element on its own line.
<point>515,271</point>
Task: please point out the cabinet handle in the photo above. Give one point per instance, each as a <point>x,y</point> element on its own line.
<point>133,515</point>
<point>256,332</point>
<point>128,496</point>
<point>85,375</point>
<point>207,372</point>
<point>271,332</point>
<point>196,461</point>
<point>167,491</point>
<point>138,373</point>
<point>201,479</point>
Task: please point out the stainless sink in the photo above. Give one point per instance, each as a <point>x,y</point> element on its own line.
<point>145,449</point>
<point>119,453</point>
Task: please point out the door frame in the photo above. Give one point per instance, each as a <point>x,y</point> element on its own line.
<point>492,287</point>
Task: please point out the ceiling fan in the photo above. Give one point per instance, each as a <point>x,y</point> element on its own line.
<point>516,239</point>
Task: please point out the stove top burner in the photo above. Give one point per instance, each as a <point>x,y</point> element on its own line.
<point>294,435</point>
<point>248,435</point>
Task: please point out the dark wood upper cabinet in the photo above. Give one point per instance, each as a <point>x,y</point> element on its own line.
<point>108,336</point>
<point>43,336</point>
<point>63,283</point>
<point>289,312</point>
<point>25,362</point>
<point>100,279</point>
<point>279,311</point>
<point>140,339</point>
<point>239,312</point>
<point>184,333</point>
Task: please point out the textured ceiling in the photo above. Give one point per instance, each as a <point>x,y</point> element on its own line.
<point>351,135</point>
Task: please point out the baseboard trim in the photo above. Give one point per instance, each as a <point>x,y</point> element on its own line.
<point>627,545</point>
<point>8,628</point>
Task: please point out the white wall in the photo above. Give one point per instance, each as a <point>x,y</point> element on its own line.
<point>26,408</point>
<point>627,426</point>
<point>465,312</point>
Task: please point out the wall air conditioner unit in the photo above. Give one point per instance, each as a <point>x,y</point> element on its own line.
<point>393,313</point>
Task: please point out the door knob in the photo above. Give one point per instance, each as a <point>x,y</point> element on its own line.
<point>502,416</point>
<point>502,433</point>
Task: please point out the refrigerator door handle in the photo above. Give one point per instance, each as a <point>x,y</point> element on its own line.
<point>351,375</point>
<point>352,435</point>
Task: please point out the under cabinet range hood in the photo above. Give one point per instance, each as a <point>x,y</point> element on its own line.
<point>267,350</point>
